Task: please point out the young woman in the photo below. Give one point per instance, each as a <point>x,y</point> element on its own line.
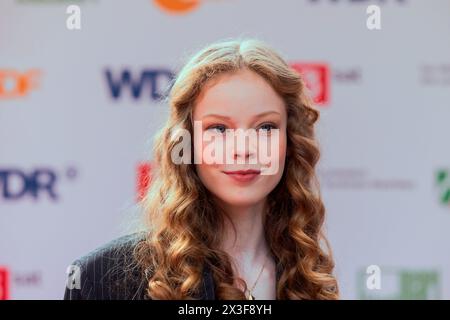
<point>225,229</point>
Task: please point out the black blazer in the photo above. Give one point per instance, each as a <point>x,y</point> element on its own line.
<point>107,273</point>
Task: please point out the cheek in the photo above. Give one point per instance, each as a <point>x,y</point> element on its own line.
<point>282,154</point>
<point>208,174</point>
<point>273,154</point>
<point>278,161</point>
<point>210,149</point>
<point>205,175</point>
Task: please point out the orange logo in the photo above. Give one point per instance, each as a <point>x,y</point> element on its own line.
<point>177,6</point>
<point>14,84</point>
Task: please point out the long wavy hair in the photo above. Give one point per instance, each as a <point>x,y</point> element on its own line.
<point>184,224</point>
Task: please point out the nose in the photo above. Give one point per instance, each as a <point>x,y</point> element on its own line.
<point>244,147</point>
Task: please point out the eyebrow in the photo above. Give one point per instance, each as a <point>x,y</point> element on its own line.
<point>228,118</point>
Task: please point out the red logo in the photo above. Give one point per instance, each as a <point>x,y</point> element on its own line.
<point>4,283</point>
<point>143,179</point>
<point>317,80</point>
<point>14,84</point>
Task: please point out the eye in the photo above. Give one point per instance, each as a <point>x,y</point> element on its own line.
<point>218,127</point>
<point>267,127</point>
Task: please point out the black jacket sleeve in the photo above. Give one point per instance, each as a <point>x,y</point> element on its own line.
<point>107,273</point>
<point>78,285</point>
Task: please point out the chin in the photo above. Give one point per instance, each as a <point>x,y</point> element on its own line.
<point>241,200</point>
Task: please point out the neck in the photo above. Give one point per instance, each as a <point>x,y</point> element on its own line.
<point>248,244</point>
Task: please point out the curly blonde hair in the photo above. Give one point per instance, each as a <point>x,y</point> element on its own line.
<point>183,221</point>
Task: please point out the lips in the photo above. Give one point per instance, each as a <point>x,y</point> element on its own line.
<point>243,175</point>
<point>249,171</point>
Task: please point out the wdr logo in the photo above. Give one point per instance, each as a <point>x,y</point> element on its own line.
<point>150,82</point>
<point>17,184</point>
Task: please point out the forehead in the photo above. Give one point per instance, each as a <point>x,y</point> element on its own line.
<point>239,94</point>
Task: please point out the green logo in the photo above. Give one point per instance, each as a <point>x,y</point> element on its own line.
<point>400,284</point>
<point>443,182</point>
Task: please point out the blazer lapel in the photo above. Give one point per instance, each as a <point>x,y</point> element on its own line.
<point>208,292</point>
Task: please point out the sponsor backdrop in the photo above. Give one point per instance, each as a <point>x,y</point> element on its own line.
<point>79,108</point>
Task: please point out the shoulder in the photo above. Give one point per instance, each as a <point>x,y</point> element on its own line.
<point>108,272</point>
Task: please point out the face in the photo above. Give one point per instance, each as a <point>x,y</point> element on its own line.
<point>240,102</point>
